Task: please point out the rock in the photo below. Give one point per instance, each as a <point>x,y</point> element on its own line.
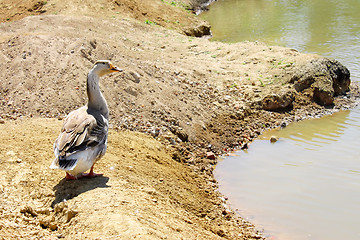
<point>327,78</point>
<point>45,211</point>
<point>323,95</point>
<point>284,124</point>
<point>45,221</point>
<point>70,214</point>
<point>273,139</point>
<point>199,31</point>
<point>226,212</point>
<point>220,232</point>
<point>210,155</point>
<point>155,131</point>
<point>278,101</point>
<point>2,121</point>
<point>180,133</point>
<point>257,236</point>
<point>28,210</point>
<point>188,221</point>
<point>48,222</point>
<point>135,77</point>
<point>166,135</point>
<point>53,226</point>
<point>244,146</point>
<point>60,207</point>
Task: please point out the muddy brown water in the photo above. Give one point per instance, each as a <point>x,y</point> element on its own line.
<point>307,184</point>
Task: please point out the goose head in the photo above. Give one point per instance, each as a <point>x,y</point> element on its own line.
<point>103,67</point>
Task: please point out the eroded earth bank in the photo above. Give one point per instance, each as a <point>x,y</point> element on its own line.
<point>181,102</point>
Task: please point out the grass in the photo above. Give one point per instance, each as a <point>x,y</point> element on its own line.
<point>176,4</point>
<point>234,85</point>
<point>147,21</point>
<point>281,64</point>
<point>261,83</point>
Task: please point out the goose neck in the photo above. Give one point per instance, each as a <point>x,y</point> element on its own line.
<point>96,100</point>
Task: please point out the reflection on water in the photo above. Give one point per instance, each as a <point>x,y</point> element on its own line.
<point>315,133</point>
<point>306,185</point>
<point>327,27</point>
<point>294,188</point>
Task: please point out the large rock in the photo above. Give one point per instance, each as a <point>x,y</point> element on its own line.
<point>278,101</point>
<point>326,78</point>
<point>200,30</point>
<point>323,91</point>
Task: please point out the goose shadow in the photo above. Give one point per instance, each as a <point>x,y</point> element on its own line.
<point>68,189</point>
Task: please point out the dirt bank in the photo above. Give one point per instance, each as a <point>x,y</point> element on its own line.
<point>144,193</point>
<point>179,99</point>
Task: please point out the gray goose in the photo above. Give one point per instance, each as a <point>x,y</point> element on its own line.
<point>83,137</point>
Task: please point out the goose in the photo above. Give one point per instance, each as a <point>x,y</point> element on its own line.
<point>83,137</point>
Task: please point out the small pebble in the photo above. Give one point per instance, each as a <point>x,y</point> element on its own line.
<point>210,155</point>
<point>70,214</point>
<point>273,139</point>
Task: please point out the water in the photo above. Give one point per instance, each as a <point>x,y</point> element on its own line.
<point>306,185</point>
<point>328,27</point>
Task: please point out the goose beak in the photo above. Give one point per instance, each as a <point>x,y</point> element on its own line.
<point>115,69</point>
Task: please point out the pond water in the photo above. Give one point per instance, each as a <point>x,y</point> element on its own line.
<point>307,184</point>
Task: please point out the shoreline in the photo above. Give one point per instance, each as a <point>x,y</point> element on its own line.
<point>194,99</point>
<point>200,6</point>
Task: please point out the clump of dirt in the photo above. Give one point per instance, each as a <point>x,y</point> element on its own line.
<point>190,98</point>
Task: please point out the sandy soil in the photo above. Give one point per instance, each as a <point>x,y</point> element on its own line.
<point>143,194</point>
<point>180,103</point>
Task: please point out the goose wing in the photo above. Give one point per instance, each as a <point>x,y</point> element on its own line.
<point>82,129</point>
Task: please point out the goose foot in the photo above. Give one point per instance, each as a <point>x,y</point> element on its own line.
<point>91,174</point>
<point>70,177</point>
